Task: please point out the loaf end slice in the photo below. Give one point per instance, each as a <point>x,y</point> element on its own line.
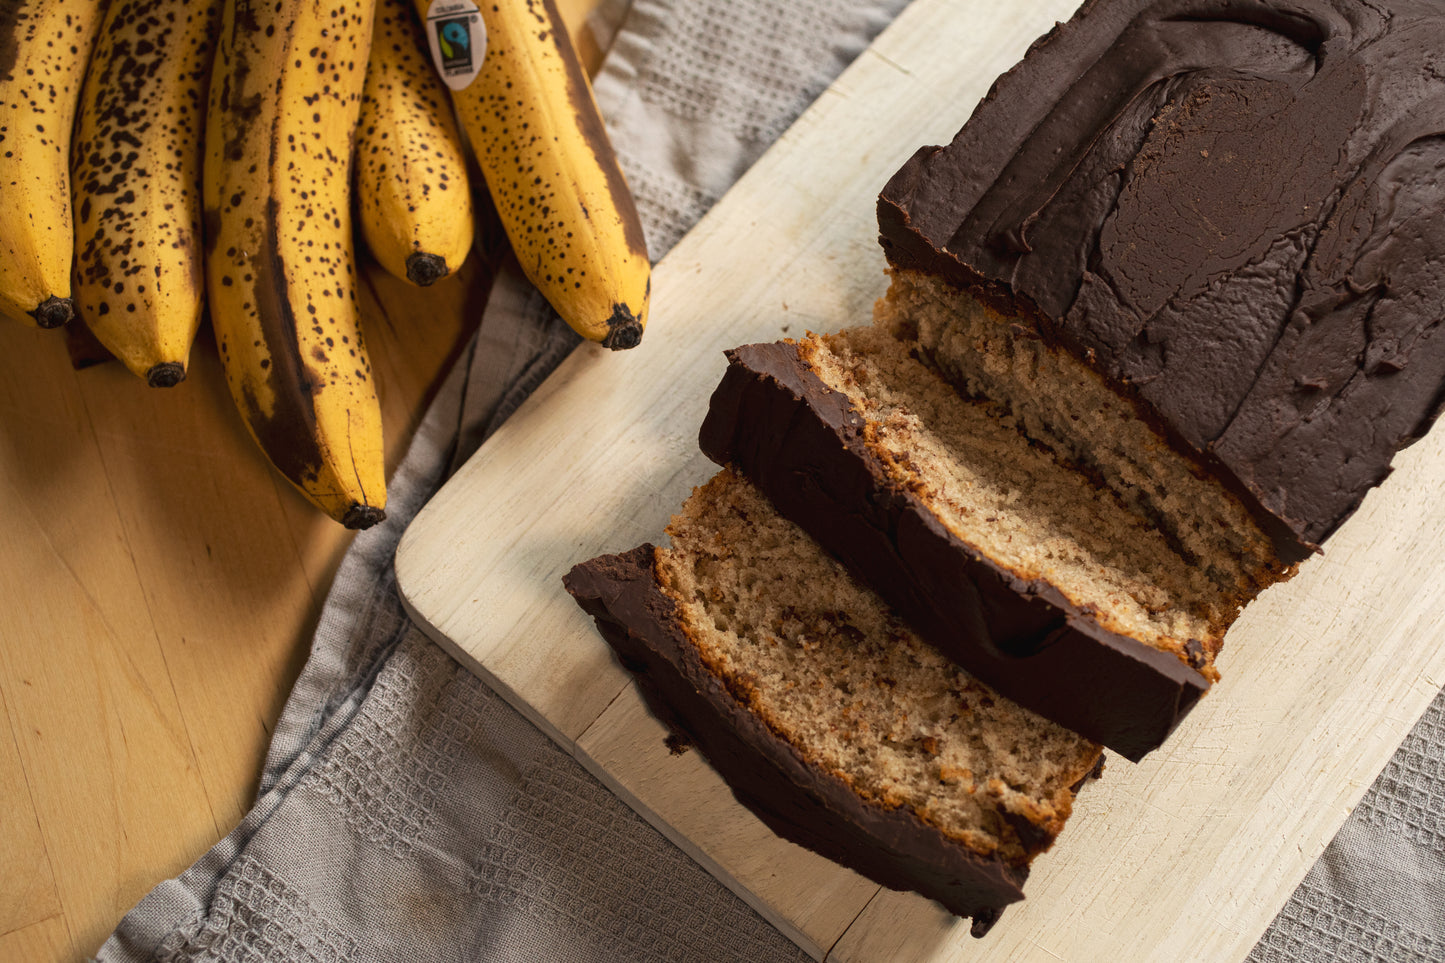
<point>830,721</point>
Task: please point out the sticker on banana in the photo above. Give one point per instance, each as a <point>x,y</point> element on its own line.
<point>413,200</point>
<point>529,114</point>
<point>280,272</point>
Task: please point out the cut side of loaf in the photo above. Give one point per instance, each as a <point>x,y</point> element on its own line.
<point>1056,400</point>
<point>829,718</point>
<point>1025,570</point>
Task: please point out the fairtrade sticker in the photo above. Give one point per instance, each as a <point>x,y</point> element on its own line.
<point>458,41</point>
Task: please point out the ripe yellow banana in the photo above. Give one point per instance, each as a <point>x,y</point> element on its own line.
<point>44,45</point>
<point>537,133</point>
<point>137,183</point>
<point>411,177</point>
<point>285,93</point>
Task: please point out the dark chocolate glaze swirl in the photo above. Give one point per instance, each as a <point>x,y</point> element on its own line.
<point>1233,208</point>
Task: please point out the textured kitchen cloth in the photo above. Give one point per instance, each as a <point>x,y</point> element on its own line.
<point>406,813</point>
<point>1378,892</point>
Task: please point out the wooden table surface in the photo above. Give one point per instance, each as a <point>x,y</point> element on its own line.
<point>159,587</point>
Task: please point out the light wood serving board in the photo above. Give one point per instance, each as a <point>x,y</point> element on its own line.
<point>1186,856</point>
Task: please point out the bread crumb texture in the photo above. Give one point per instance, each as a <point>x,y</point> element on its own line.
<point>826,666</point>
<point>1027,456</point>
<point>1057,400</point>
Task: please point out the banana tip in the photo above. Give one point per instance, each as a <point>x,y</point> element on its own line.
<point>166,374</point>
<point>54,312</point>
<point>362,516</point>
<point>424,269</point>
<point>624,330</point>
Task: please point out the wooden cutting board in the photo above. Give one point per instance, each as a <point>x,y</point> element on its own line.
<point>1187,855</point>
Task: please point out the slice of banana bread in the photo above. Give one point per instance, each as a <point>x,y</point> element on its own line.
<point>1021,568</point>
<point>829,718</point>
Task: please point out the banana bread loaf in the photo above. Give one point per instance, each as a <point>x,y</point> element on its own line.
<point>1160,316</point>
<point>1193,259</point>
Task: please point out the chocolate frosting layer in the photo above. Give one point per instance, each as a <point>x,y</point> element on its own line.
<point>1233,208</point>
<point>802,444</point>
<point>797,801</point>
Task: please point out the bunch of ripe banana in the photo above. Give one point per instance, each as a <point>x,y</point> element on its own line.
<point>212,150</point>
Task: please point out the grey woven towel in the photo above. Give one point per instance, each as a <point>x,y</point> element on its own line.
<point>1378,891</point>
<point>407,813</point>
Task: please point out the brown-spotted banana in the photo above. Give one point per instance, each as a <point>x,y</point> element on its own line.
<point>136,178</point>
<point>413,199</point>
<point>529,113</point>
<point>285,93</point>
<point>44,46</point>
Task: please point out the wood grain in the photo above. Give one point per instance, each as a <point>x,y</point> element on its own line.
<point>1185,856</point>
<point>45,940</point>
<point>27,884</point>
<point>160,585</point>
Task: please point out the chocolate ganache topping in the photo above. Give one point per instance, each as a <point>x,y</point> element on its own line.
<point>1233,208</point>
